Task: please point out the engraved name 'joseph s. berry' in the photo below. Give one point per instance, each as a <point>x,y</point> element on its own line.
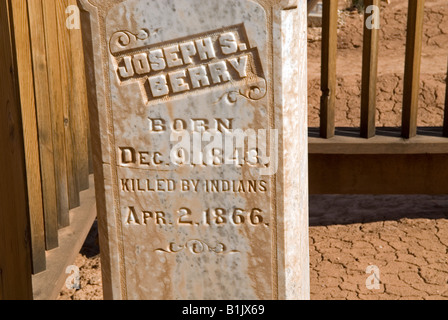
<point>176,67</point>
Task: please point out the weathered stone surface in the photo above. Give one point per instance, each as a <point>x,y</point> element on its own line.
<point>163,74</point>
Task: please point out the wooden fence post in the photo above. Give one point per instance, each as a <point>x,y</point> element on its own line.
<point>79,105</point>
<point>329,55</point>
<point>57,112</point>
<point>45,127</point>
<point>412,67</point>
<point>67,106</point>
<point>15,247</point>
<point>22,58</point>
<point>369,72</point>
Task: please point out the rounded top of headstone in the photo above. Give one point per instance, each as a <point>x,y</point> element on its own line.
<point>91,4</point>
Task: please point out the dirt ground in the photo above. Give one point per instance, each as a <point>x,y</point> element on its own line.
<point>405,237</point>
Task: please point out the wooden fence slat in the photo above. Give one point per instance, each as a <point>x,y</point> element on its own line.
<point>1,285</point>
<point>70,130</point>
<point>90,79</point>
<point>79,105</point>
<point>89,141</point>
<point>23,58</point>
<point>15,252</point>
<point>445,120</point>
<point>328,79</point>
<point>412,67</point>
<point>369,72</point>
<point>57,112</point>
<point>44,123</point>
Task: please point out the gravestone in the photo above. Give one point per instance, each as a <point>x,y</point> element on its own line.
<point>198,117</point>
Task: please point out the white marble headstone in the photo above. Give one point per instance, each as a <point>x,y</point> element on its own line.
<point>198,111</point>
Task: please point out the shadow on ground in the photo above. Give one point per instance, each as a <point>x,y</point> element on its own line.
<point>326,210</point>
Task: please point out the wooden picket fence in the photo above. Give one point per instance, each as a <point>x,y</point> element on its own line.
<point>46,188</point>
<point>373,160</point>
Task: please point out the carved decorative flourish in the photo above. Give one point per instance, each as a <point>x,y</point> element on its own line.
<point>197,247</point>
<point>255,91</point>
<point>123,40</point>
